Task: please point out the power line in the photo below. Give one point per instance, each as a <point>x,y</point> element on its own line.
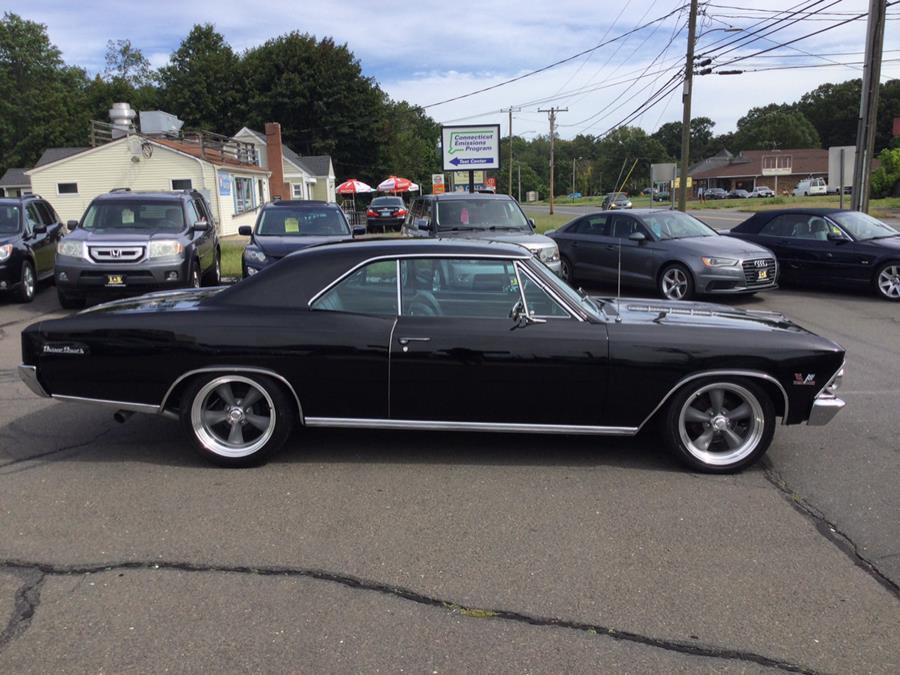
<point>554,64</point>
<point>796,67</point>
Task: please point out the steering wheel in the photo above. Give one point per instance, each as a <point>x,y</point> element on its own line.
<point>423,303</point>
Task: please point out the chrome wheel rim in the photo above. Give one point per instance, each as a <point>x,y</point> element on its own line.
<point>674,284</point>
<point>566,271</point>
<point>233,416</point>
<point>889,282</point>
<point>28,281</point>
<point>721,423</point>
<point>195,278</point>
<point>218,269</point>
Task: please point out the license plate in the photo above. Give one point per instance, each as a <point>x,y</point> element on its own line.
<point>763,274</point>
<point>115,279</point>
<point>385,213</point>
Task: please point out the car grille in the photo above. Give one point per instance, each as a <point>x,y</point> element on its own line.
<point>752,268</point>
<point>116,254</point>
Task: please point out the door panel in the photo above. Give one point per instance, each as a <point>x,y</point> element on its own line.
<point>587,246</point>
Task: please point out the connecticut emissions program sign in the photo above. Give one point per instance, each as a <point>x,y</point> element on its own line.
<point>470,147</point>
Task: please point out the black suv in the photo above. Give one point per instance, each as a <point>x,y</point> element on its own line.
<point>29,230</point>
<point>129,243</point>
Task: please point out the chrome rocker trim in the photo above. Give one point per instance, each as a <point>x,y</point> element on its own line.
<point>500,427</point>
<point>28,375</point>
<point>113,405</point>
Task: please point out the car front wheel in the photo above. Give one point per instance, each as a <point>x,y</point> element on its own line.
<point>566,270</point>
<point>28,284</point>
<point>720,425</point>
<point>887,281</point>
<point>676,283</point>
<point>237,420</point>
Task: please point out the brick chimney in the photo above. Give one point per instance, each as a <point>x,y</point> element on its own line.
<point>277,186</point>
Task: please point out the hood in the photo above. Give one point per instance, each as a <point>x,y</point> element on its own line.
<point>529,240</point>
<point>122,235</point>
<point>278,247</point>
<point>162,301</point>
<point>9,237</point>
<point>680,313</point>
<point>720,246</point>
<point>890,243</point>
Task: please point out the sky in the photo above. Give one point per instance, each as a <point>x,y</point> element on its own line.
<point>428,52</point>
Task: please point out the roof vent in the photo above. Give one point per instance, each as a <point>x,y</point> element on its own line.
<point>122,117</point>
<point>157,122</point>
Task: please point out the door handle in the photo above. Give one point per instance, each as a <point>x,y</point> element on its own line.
<point>610,247</point>
<point>407,340</point>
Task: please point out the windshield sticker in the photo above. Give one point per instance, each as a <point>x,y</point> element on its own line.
<point>127,217</point>
<point>291,225</point>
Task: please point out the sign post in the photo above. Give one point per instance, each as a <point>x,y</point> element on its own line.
<point>470,148</point>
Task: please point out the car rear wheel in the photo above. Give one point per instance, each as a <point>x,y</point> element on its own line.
<point>28,284</point>
<point>887,281</point>
<point>214,276</point>
<point>676,283</point>
<point>237,420</point>
<point>720,425</point>
<point>566,270</point>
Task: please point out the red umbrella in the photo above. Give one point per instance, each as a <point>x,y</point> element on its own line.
<point>395,184</point>
<point>353,186</point>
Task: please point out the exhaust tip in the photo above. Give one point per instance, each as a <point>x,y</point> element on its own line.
<point>122,416</point>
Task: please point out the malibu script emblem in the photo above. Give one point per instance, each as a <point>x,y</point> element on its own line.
<point>69,349</point>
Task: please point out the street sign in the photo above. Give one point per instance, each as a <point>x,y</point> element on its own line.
<point>676,183</point>
<point>469,147</point>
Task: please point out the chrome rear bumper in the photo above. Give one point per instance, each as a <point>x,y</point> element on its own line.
<point>28,375</point>
<point>824,409</point>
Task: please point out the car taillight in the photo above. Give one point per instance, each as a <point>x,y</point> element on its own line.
<point>370,212</point>
<point>400,212</point>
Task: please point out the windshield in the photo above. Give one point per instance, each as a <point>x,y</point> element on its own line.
<point>387,201</point>
<point>480,214</point>
<point>562,288</point>
<point>9,219</point>
<point>135,215</point>
<point>863,226</point>
<point>302,222</point>
<point>676,225</point>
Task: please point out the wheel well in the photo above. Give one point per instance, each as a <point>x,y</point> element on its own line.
<point>669,263</point>
<point>878,268</point>
<point>172,399</point>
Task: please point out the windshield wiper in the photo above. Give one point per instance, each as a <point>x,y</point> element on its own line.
<point>457,229</point>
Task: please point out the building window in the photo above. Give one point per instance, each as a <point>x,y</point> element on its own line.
<point>244,194</point>
<point>297,190</point>
<point>182,184</point>
<point>67,188</point>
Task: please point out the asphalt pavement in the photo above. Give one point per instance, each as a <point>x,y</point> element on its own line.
<point>366,551</point>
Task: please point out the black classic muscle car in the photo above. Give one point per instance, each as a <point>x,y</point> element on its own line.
<point>442,335</point>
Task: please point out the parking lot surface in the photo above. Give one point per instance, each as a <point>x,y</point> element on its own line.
<point>359,550</point>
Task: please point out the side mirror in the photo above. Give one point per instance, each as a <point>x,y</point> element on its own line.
<point>531,222</point>
<point>639,237</point>
<point>359,230</point>
<point>422,224</point>
<point>71,225</point>
<point>521,317</point>
<point>245,230</point>
<point>200,226</point>
<point>834,236</point>
<point>40,228</point>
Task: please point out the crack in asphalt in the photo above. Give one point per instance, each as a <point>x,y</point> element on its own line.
<point>28,597</point>
<point>55,451</point>
<point>829,529</point>
<point>37,572</point>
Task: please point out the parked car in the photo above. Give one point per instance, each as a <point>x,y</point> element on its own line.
<point>128,243</point>
<point>478,216</point>
<point>739,194</point>
<point>810,186</point>
<point>762,191</point>
<point>669,251</point>
<point>829,247</point>
<point>286,226</point>
<point>715,193</point>
<point>29,231</point>
<point>649,191</point>
<point>614,201</point>
<point>662,196</point>
<point>385,213</point>
<point>441,335</point>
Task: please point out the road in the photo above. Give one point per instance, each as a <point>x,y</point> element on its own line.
<point>364,551</point>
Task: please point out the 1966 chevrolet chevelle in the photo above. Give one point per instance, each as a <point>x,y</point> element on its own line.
<point>441,335</point>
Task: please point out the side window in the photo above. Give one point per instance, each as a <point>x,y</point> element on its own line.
<point>458,287</point>
<point>797,226</point>
<point>202,211</point>
<point>597,226</point>
<point>45,213</point>
<point>31,218</point>
<point>372,289</point>
<point>192,215</point>
<point>623,226</point>
<point>539,302</point>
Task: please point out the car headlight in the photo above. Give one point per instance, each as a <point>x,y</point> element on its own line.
<point>71,248</point>
<point>719,262</point>
<point>254,255</point>
<point>835,383</point>
<point>165,248</point>
<point>5,252</point>
<point>549,254</point>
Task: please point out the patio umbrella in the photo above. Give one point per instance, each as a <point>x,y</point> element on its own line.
<point>395,184</point>
<point>413,187</point>
<point>352,186</point>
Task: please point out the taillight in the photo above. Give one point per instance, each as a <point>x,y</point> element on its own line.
<point>370,212</point>
<point>400,212</point>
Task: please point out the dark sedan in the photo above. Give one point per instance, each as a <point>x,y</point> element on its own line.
<point>286,226</point>
<point>829,247</point>
<point>385,213</point>
<point>669,251</point>
<point>443,336</point>
<point>29,232</point>
<point>715,193</point>
<point>739,194</point>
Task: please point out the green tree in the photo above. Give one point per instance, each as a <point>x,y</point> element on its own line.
<point>409,146</point>
<point>832,109</point>
<point>127,63</point>
<point>42,101</point>
<point>669,135</point>
<point>202,83</point>
<point>885,181</point>
<point>775,126</point>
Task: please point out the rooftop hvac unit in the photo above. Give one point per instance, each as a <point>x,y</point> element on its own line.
<point>157,122</point>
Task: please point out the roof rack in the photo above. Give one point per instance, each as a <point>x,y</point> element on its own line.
<point>121,189</point>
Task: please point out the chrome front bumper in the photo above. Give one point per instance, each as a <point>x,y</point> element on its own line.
<point>28,375</point>
<point>824,408</point>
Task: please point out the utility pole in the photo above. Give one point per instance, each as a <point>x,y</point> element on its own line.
<point>519,167</point>
<point>868,106</point>
<point>510,110</point>
<point>686,102</point>
<point>552,111</point>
